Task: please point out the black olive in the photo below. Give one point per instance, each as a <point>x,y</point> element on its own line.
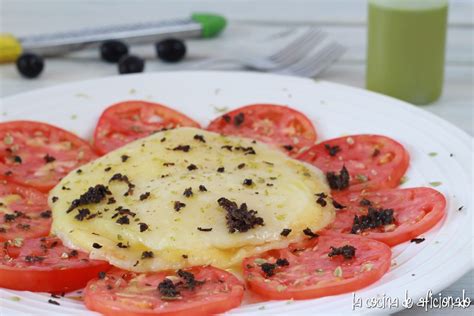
<point>30,65</point>
<point>131,64</point>
<point>112,51</point>
<point>171,50</point>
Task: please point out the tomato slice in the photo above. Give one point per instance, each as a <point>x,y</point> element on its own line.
<point>311,272</point>
<point>38,154</point>
<point>194,291</point>
<point>415,211</point>
<point>279,125</point>
<point>127,121</point>
<point>372,161</point>
<point>24,212</point>
<point>45,265</point>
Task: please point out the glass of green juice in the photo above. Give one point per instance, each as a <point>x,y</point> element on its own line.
<point>406,46</point>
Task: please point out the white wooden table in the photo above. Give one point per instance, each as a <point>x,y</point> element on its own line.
<point>254,25</point>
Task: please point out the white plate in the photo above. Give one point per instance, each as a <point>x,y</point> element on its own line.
<point>335,110</point>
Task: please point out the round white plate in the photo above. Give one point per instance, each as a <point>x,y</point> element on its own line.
<point>335,110</point>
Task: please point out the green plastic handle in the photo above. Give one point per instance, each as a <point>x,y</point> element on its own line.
<point>212,24</point>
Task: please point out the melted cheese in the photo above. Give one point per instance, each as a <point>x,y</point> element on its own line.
<point>282,192</point>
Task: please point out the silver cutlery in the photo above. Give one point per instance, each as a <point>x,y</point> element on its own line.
<point>298,58</point>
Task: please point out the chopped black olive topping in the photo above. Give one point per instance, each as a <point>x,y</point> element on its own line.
<point>288,147</point>
<point>167,289</point>
<point>184,148</point>
<point>47,158</point>
<point>82,213</point>
<point>34,259</point>
<point>248,182</point>
<point>308,232</point>
<point>338,181</point>
<point>332,150</point>
<point>189,279</point>
<point>45,214</point>
<point>321,199</point>
<point>111,200</point>
<point>93,195</point>
<point>337,205</point>
<point>239,218</point>
<point>374,218</point>
<point>168,164</point>
<point>268,269</point>
<point>163,140</point>
<point>122,178</point>
<point>50,301</point>
<point>23,226</point>
<point>147,254</point>
<point>220,169</point>
<point>122,245</point>
<point>417,240</point>
<point>228,147</point>
<point>188,192</point>
<point>365,202</point>
<point>347,251</point>
<point>226,118</point>
<point>178,206</point>
<point>239,119</point>
<point>96,245</point>
<point>143,227</point>
<point>202,188</point>
<point>246,150</point>
<point>17,159</point>
<point>73,253</point>
<point>184,256</point>
<point>144,196</point>
<point>282,262</point>
<point>199,138</point>
<point>123,220</point>
<point>285,232</point>
<point>204,229</point>
<point>240,166</point>
<point>15,215</point>
<point>192,167</point>
<point>102,275</point>
<point>376,152</point>
<point>108,169</point>
<point>124,158</point>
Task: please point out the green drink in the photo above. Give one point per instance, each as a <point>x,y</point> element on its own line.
<point>406,43</point>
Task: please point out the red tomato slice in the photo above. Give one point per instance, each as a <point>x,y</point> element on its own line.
<point>415,211</point>
<point>45,265</point>
<point>279,125</point>
<point>122,293</point>
<point>373,161</point>
<point>38,154</point>
<point>24,212</point>
<point>127,121</point>
<point>312,273</point>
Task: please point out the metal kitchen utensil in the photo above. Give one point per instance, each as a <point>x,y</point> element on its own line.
<point>198,25</point>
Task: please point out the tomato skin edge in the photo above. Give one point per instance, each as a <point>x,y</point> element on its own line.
<point>317,293</point>
<point>336,287</point>
<point>105,308</point>
<point>40,186</point>
<point>53,281</point>
<point>111,109</point>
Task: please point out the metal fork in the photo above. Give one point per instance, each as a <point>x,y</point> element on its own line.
<point>316,63</point>
<point>282,59</point>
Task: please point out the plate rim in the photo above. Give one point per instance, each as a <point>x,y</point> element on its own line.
<point>465,138</point>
